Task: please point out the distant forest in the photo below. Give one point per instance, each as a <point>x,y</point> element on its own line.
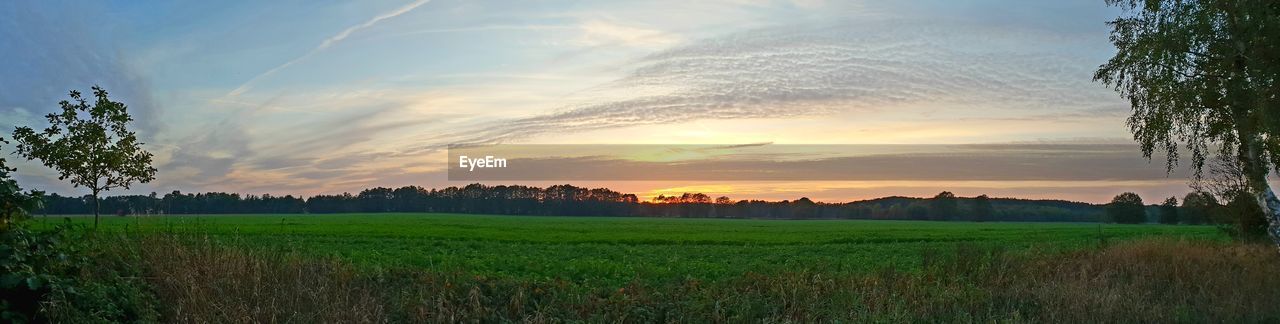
<point>568,200</point>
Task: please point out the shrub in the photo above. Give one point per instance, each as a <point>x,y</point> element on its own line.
<point>1242,218</point>
<point>48,276</point>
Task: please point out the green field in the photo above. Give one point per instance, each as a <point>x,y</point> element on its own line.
<point>600,250</point>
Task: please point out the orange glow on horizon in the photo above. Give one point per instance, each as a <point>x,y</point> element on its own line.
<point>848,191</point>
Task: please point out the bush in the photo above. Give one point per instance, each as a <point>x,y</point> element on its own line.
<point>1242,218</point>
<point>48,278</point>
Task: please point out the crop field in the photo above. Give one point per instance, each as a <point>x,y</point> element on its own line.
<point>610,251</point>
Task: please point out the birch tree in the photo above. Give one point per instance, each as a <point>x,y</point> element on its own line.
<point>1202,75</point>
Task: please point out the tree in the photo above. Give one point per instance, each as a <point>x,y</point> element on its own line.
<point>1127,208</point>
<point>1205,73</point>
<point>1225,179</point>
<point>1197,207</point>
<point>803,208</point>
<point>982,209</point>
<point>943,206</point>
<point>1169,211</point>
<point>90,146</point>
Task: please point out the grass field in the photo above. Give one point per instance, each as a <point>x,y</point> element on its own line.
<point>600,251</point>
<point>447,268</point>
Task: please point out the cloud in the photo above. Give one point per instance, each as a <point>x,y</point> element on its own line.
<point>834,67</point>
<point>274,147</point>
<point>485,28</point>
<point>328,42</point>
<point>47,50</point>
<point>601,33</point>
<point>207,157</point>
<point>788,65</point>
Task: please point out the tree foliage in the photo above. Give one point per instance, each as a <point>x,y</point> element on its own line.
<point>1206,74</point>
<point>1127,208</point>
<point>1197,72</point>
<point>569,200</point>
<point>89,145</point>
<point>1169,211</point>
<point>943,206</point>
<point>1197,207</point>
<point>982,209</point>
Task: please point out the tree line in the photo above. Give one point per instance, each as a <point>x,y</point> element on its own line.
<point>569,200</point>
<point>1239,216</point>
<point>1236,214</point>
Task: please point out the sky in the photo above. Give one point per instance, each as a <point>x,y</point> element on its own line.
<point>311,97</point>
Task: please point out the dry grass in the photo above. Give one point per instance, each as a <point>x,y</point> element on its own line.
<point>203,283</point>
<point>1145,281</point>
<point>1158,281</point>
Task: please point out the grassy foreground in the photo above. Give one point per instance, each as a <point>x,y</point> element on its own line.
<point>614,251</point>
<point>462,268</point>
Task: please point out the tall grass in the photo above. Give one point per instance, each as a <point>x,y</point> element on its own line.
<point>199,280</point>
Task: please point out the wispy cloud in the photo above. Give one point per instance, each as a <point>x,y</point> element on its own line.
<point>820,69</point>
<point>228,153</point>
<point>599,32</point>
<point>327,43</point>
<point>46,51</point>
<point>521,71</point>
<point>531,28</point>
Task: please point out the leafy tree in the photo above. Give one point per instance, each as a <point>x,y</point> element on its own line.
<point>803,208</point>
<point>89,145</point>
<point>1127,208</point>
<point>982,209</point>
<point>1169,211</point>
<point>1205,73</point>
<point>943,206</point>
<point>723,200</point>
<point>1197,207</point>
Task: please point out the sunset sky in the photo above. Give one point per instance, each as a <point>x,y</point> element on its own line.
<point>307,97</point>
